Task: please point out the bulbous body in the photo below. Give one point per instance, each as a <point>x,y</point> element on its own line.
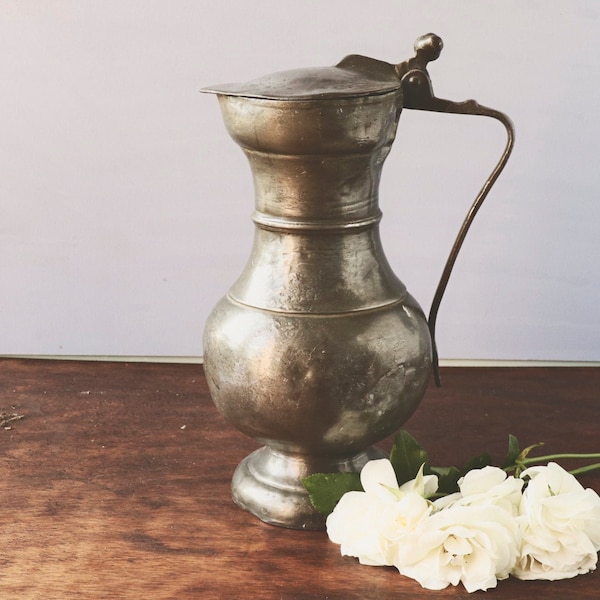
<point>317,351</point>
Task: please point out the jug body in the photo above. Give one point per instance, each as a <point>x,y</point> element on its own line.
<point>318,351</point>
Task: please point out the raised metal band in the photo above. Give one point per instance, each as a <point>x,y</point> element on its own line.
<point>266,221</point>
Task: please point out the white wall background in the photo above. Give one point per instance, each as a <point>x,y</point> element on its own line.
<point>125,206</point>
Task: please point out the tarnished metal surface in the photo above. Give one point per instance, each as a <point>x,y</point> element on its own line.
<point>317,351</point>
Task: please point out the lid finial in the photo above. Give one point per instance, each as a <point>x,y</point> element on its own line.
<point>428,48</point>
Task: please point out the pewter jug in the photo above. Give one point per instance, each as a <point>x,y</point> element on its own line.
<point>318,351</point>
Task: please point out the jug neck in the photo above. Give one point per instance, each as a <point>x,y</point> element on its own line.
<point>316,169</point>
<point>316,192</point>
<point>314,163</point>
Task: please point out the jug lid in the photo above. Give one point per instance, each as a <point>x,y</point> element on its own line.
<point>353,76</point>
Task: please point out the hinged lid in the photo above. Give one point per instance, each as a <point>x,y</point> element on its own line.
<point>354,76</point>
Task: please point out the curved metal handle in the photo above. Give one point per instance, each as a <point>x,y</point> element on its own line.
<point>418,94</point>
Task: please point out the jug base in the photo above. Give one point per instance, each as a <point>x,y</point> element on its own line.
<point>268,484</point>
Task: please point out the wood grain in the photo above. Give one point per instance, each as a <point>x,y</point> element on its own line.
<point>115,484</point>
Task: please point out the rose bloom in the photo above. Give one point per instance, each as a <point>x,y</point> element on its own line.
<point>560,523</point>
<point>485,487</point>
<point>368,524</point>
<point>475,545</point>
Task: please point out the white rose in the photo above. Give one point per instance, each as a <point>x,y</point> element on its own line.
<point>560,522</point>
<point>475,545</point>
<point>485,487</point>
<point>368,524</point>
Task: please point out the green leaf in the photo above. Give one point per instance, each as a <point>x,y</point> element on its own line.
<point>448,476</point>
<point>513,452</point>
<point>325,490</point>
<point>447,479</point>
<point>478,462</point>
<point>407,456</point>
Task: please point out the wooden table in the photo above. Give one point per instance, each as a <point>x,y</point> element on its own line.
<point>115,484</point>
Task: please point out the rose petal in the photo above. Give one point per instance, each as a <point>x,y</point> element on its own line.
<point>376,476</point>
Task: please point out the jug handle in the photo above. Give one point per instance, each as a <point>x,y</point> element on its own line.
<point>418,94</point>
